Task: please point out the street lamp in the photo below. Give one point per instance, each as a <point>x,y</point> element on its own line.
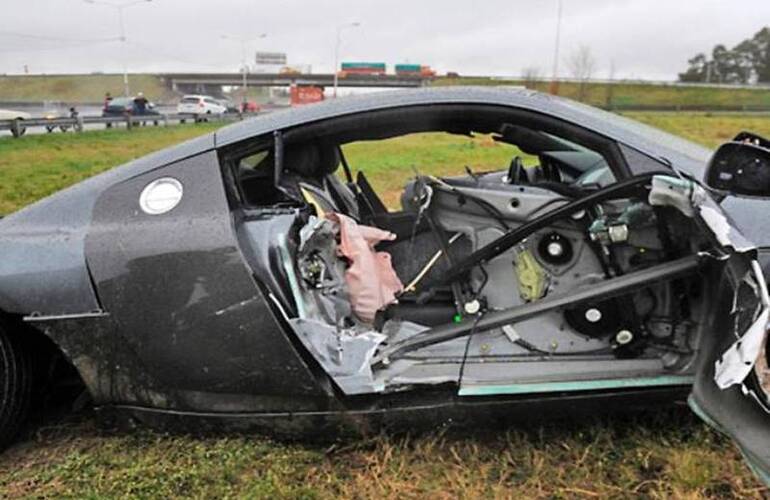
<point>119,7</point>
<point>337,49</point>
<point>244,65</point>
<point>554,82</point>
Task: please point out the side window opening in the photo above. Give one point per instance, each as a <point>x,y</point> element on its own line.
<point>254,174</point>
<point>490,147</point>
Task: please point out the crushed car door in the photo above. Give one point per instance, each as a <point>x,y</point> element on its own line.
<point>190,321</point>
<point>732,388</point>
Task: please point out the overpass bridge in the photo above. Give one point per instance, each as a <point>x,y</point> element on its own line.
<point>206,82</point>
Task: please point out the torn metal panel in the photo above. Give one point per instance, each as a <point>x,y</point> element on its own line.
<point>723,228</point>
<point>324,292</point>
<point>690,198</point>
<point>344,354</point>
<point>735,365</point>
<point>682,194</point>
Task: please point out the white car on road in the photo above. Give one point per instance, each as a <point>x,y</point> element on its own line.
<point>9,114</point>
<point>200,105</point>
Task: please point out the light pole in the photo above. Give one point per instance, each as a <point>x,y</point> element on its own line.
<point>244,65</point>
<point>554,82</point>
<point>119,7</point>
<point>337,50</point>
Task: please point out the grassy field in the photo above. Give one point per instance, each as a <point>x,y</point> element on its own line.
<point>638,94</point>
<point>91,88</point>
<point>37,165</point>
<point>78,88</point>
<point>655,455</point>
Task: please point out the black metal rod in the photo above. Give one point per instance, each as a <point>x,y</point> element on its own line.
<point>607,289</point>
<point>511,238</point>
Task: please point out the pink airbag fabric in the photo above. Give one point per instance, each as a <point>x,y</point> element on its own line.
<point>372,282</point>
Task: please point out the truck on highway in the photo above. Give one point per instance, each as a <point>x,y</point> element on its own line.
<point>414,70</point>
<point>363,68</point>
<point>305,94</point>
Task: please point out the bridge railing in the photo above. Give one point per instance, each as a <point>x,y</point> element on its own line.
<point>19,126</point>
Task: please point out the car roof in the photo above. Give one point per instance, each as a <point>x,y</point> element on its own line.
<point>686,155</point>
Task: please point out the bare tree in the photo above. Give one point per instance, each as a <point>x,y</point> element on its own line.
<point>582,64</point>
<point>610,95</point>
<point>530,76</point>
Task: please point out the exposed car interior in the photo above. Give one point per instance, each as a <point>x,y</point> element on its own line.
<point>522,279</point>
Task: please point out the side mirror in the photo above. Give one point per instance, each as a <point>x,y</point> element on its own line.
<point>741,167</point>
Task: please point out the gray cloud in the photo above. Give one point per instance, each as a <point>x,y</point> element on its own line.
<point>644,38</point>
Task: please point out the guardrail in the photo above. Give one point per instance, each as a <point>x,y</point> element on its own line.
<point>19,126</point>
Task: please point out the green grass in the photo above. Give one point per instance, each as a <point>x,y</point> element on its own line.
<point>79,88</point>
<point>638,94</point>
<point>666,455</point>
<point>388,163</point>
<point>35,166</point>
<point>708,129</point>
<point>655,455</point>
<point>91,88</point>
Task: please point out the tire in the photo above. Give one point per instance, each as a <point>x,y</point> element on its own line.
<point>15,386</point>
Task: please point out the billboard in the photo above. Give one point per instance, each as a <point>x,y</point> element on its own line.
<point>271,58</point>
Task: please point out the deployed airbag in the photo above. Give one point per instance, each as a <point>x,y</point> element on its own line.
<point>372,282</point>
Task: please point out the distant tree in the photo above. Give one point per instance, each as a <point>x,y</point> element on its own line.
<point>728,65</point>
<point>743,57</point>
<point>744,63</point>
<point>582,64</point>
<point>697,69</point>
<point>609,96</point>
<point>760,54</point>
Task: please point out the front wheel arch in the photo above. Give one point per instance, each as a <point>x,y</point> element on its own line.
<point>35,374</point>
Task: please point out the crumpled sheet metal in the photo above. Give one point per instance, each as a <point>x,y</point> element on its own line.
<point>735,365</point>
<point>345,355</point>
<point>675,192</point>
<point>690,198</point>
<point>372,281</point>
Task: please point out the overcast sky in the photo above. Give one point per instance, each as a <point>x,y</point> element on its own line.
<point>644,38</point>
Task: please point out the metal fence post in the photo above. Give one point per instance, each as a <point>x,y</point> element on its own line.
<point>15,130</point>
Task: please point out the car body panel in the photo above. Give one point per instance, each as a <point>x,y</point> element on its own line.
<point>183,299</point>
<point>47,239</point>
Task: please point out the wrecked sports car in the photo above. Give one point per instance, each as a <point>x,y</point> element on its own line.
<point>253,279</point>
